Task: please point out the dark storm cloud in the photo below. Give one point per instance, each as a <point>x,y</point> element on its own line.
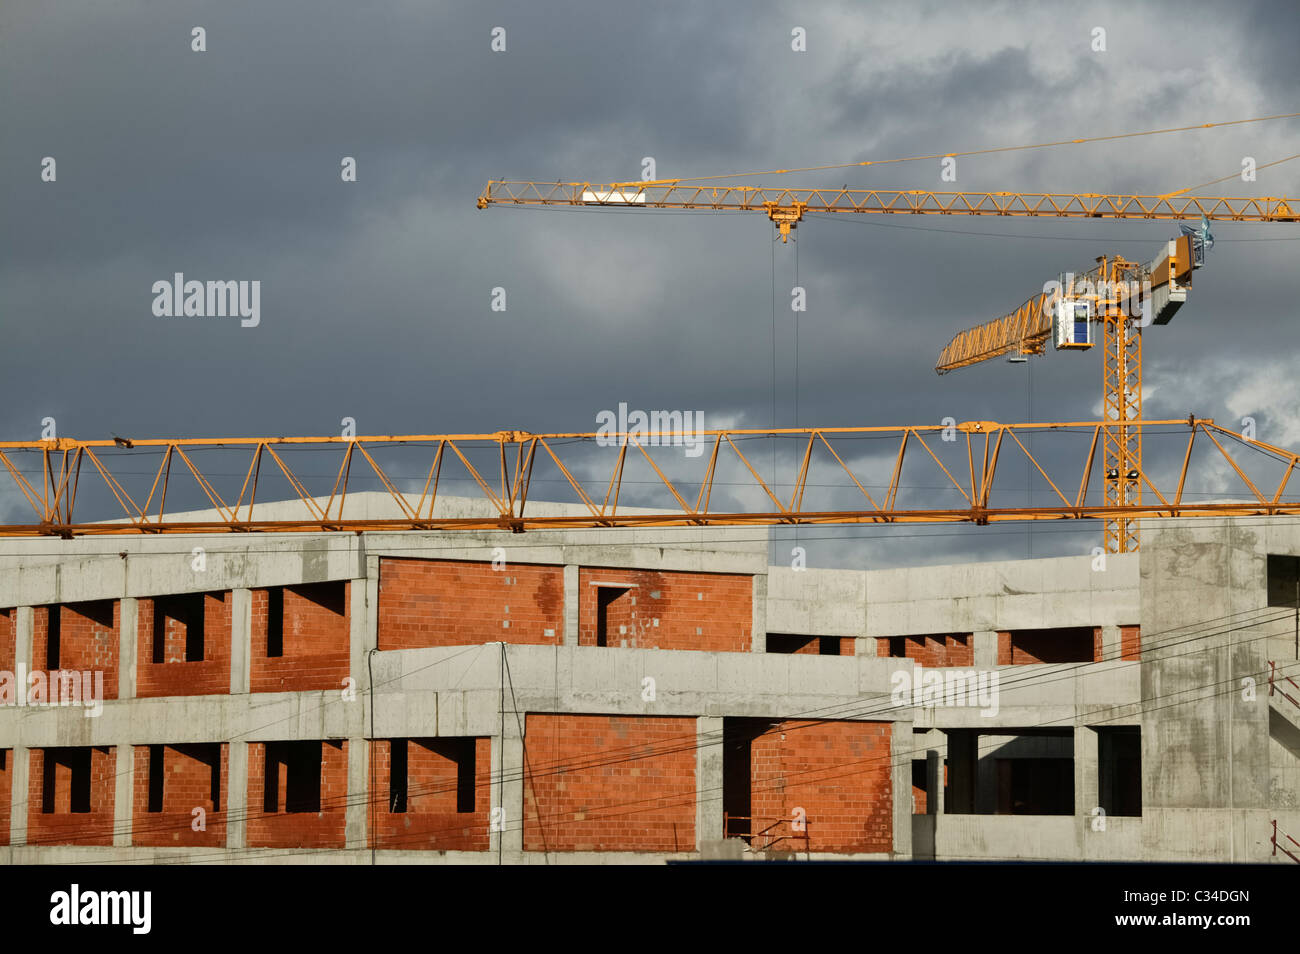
<point>375,304</point>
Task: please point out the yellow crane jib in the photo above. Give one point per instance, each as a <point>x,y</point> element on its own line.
<point>1067,307</point>
<point>786,206</point>
<point>1121,297</point>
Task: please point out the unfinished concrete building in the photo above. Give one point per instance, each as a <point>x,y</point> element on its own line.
<point>615,696</point>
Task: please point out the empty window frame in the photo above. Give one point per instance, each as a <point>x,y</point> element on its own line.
<point>1119,770</point>
<point>183,612</point>
<point>292,777</point>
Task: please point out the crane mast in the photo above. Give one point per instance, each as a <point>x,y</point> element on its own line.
<point>1122,403</point>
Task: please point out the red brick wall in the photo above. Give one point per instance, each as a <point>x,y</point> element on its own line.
<point>6,791</point>
<point>609,783</point>
<point>1130,642</point>
<point>940,649</point>
<point>316,642</point>
<point>62,826</point>
<point>431,820</point>
<point>175,677</point>
<point>455,603</point>
<point>706,611</point>
<point>837,772</point>
<point>8,639</point>
<point>281,829</point>
<point>1025,646</point>
<point>187,785</point>
<point>85,644</point>
<point>799,645</point>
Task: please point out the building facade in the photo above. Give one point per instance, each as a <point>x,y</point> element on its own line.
<point>635,696</point>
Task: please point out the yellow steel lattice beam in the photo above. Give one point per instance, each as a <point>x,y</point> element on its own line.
<point>983,448</point>
<point>786,206</point>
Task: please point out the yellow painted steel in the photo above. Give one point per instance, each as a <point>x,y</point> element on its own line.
<point>786,206</point>
<point>1112,286</point>
<point>981,446</point>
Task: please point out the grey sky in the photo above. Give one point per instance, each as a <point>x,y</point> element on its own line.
<point>375,294</point>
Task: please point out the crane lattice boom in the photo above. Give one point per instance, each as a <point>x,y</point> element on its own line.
<point>910,474</point>
<point>787,206</point>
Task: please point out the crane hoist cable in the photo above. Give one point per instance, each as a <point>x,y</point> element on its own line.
<point>970,152</point>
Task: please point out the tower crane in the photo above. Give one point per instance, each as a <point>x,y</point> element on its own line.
<point>786,207</point>
<point>1110,294</point>
<point>1122,297</point>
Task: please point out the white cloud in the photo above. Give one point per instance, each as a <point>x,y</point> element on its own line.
<point>1266,390</point>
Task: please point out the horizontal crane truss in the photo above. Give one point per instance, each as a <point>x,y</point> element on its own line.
<point>964,458</point>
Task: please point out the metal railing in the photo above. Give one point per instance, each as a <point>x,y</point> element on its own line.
<point>1277,847</point>
<point>774,834</point>
<point>1273,687</point>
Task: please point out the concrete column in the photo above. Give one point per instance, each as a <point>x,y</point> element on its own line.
<point>20,769</point>
<point>363,594</point>
<point>1110,644</point>
<point>128,647</point>
<point>759,623</point>
<point>986,649</point>
<point>356,822</point>
<point>363,633</point>
<point>901,745</point>
<point>365,617</point>
<point>123,793</point>
<point>241,642</point>
<point>986,779</point>
<point>708,780</point>
<point>497,798</point>
<point>237,794</point>
<point>936,754</point>
<point>1086,794</point>
<point>24,628</point>
<point>512,750</point>
<point>571,595</point>
<point>20,773</point>
<point>1215,784</point>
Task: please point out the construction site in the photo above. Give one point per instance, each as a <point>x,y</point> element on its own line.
<point>666,637</point>
<point>422,677</point>
<point>629,696</point>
